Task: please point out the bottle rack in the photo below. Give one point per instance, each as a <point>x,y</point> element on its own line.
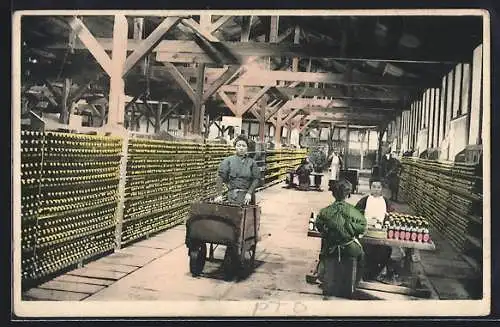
<point>69,186</point>
<point>278,162</point>
<point>31,165</point>
<point>163,179</point>
<point>214,154</point>
<point>450,195</point>
<point>74,200</point>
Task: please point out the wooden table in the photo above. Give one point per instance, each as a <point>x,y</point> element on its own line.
<point>409,273</point>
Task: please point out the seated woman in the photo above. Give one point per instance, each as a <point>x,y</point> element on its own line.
<point>340,225</point>
<point>304,171</point>
<point>374,207</point>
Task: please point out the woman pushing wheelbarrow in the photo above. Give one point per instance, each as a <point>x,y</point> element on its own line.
<point>232,220</point>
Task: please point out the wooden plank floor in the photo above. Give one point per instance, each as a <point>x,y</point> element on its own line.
<point>95,276</point>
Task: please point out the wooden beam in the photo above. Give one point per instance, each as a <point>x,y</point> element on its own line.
<point>52,94</point>
<point>116,111</point>
<point>262,123</point>
<point>228,102</point>
<point>192,24</point>
<point>274,29</point>
<point>148,113</point>
<point>296,40</point>
<point>181,81</point>
<point>219,23</point>
<point>92,44</point>
<point>255,98</point>
<point>255,113</point>
<point>169,111</point>
<point>158,118</point>
<point>198,107</point>
<point>65,103</point>
<point>291,115</point>
<point>274,110</point>
<point>148,107</point>
<point>132,102</point>
<point>226,77</point>
<point>246,28</point>
<point>205,22</point>
<point>270,78</point>
<point>147,45</point>
<point>79,92</point>
<point>169,48</point>
<point>309,122</point>
<point>336,93</point>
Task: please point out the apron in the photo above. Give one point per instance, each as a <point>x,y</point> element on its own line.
<point>334,167</point>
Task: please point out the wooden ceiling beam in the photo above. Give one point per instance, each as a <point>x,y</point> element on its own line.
<point>168,48</point>
<point>192,24</point>
<point>336,93</point>
<point>271,78</point>
<point>92,44</point>
<point>219,23</point>
<point>253,100</point>
<point>181,81</point>
<point>148,44</point>
<point>274,110</point>
<point>228,102</point>
<point>225,78</point>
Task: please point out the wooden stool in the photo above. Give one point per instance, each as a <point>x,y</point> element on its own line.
<point>340,277</point>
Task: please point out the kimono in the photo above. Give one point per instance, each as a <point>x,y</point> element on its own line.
<point>241,174</point>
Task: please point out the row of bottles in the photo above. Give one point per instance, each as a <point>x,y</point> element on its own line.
<point>162,178</point>
<point>69,194</point>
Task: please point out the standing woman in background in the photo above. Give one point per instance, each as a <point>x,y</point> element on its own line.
<point>335,167</point>
<point>240,173</point>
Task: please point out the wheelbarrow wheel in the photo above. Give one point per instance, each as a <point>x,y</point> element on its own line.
<point>231,263</point>
<point>248,262</point>
<point>197,258</point>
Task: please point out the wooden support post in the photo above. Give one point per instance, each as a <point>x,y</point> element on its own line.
<point>65,102</point>
<point>134,121</point>
<point>437,109</point>
<point>273,36</point>
<point>240,98</point>
<point>198,113</point>
<point>117,87</point>
<point>457,91</point>
<point>466,97</point>
<point>138,35</point>
<point>158,118</point>
<point>262,123</point>
<point>381,132</point>
<point>246,28</point>
<point>347,140</point>
<point>121,192</point>
<point>296,40</point>
<point>475,112</point>
<point>289,133</point>
<point>449,102</point>
<point>206,22</point>
<point>277,131</point>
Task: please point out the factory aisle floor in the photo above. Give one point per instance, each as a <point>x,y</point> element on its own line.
<point>157,268</point>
